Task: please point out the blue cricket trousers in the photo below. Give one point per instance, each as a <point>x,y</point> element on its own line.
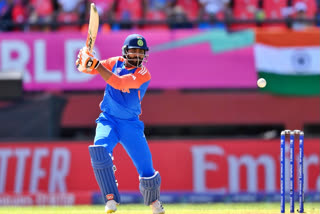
<point>130,134</point>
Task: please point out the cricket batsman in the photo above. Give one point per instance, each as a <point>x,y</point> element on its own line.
<point>127,81</point>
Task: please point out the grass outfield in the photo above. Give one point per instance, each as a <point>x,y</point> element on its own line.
<point>238,208</point>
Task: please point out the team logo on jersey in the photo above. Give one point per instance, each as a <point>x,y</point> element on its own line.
<point>118,70</point>
<point>140,42</point>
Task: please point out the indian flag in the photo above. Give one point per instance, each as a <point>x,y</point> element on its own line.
<point>289,61</point>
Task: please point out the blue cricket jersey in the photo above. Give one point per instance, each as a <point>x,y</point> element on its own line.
<point>123,99</point>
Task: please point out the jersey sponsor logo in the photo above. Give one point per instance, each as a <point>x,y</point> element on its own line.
<point>125,90</point>
<point>110,197</point>
<point>134,77</point>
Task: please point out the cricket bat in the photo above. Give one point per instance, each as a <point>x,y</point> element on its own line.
<point>93,27</point>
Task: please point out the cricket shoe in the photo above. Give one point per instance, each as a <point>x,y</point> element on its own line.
<point>157,207</point>
<point>111,206</point>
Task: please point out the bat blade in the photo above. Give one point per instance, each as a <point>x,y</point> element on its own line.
<point>93,27</point>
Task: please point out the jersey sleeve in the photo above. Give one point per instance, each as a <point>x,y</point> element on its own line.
<point>130,81</point>
<point>108,63</point>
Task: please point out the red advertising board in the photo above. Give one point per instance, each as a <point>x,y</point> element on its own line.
<point>62,170</point>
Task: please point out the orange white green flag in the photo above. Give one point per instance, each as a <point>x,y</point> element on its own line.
<point>289,61</point>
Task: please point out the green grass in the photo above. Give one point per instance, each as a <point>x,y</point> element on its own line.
<point>212,208</point>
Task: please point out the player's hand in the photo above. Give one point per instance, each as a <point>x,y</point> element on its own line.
<point>86,61</point>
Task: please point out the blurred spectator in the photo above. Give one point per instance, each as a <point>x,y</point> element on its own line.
<point>154,10</point>
<point>245,10</point>
<point>214,11</point>
<point>105,8</point>
<point>213,8</point>
<point>68,6</point>
<point>41,12</point>
<point>177,16</point>
<point>300,14</point>
<point>311,7</point>
<point>271,9</point>
<point>287,11</point>
<point>155,5</point>
<point>106,13</point>
<point>6,7</point>
<point>70,13</point>
<point>260,14</point>
<point>228,9</point>
<point>179,13</point>
<point>317,16</point>
<point>191,8</point>
<point>21,12</point>
<point>127,11</point>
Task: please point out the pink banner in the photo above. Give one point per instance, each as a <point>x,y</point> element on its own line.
<point>178,59</point>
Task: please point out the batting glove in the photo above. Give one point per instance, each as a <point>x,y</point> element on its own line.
<point>86,61</point>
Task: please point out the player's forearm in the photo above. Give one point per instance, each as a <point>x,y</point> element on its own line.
<point>112,79</point>
<point>118,82</point>
<point>104,72</point>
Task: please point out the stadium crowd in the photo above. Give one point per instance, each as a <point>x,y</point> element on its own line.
<point>26,15</point>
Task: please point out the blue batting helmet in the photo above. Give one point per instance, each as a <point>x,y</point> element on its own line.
<point>134,41</point>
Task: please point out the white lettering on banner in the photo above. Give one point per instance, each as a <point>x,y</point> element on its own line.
<point>40,62</point>
<point>307,161</point>
<point>312,159</point>
<point>37,172</point>
<point>41,73</point>
<point>60,199</point>
<point>200,166</point>
<point>21,154</point>
<point>60,157</point>
<point>19,63</point>
<point>59,168</point>
<point>55,199</point>
<point>16,201</point>
<point>4,156</point>
<point>72,48</point>
<point>251,164</point>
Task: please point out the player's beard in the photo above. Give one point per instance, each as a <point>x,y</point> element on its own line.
<point>136,61</point>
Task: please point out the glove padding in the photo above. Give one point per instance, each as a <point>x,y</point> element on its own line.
<point>86,61</point>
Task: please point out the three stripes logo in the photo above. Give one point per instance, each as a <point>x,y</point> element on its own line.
<point>143,71</point>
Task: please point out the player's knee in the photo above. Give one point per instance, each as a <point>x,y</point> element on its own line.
<point>100,157</point>
<point>102,142</point>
